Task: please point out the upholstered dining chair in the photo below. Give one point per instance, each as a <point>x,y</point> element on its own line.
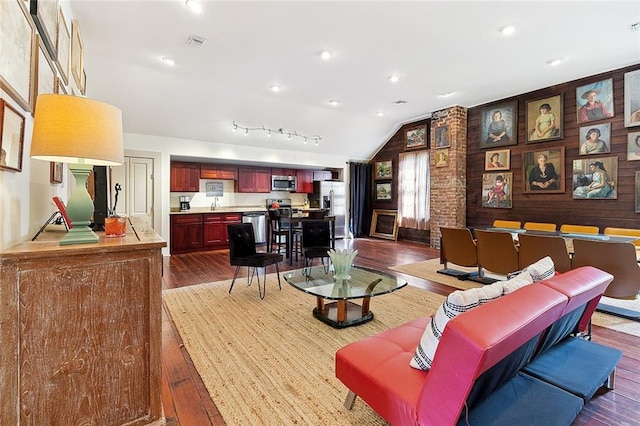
<point>618,259</point>
<point>540,226</point>
<point>512,224</point>
<point>496,252</point>
<point>316,241</point>
<point>242,252</point>
<point>534,247</point>
<point>579,229</point>
<point>457,247</point>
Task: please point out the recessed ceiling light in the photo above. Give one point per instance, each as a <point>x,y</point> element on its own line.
<point>334,102</point>
<point>325,54</point>
<point>380,113</point>
<point>554,62</point>
<point>275,88</point>
<point>394,78</point>
<point>194,5</point>
<point>445,95</point>
<point>507,30</point>
<point>168,61</point>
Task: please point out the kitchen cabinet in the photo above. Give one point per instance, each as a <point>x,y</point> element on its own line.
<point>215,228</point>
<point>218,171</point>
<point>322,175</point>
<point>283,172</point>
<point>185,177</point>
<point>254,179</point>
<point>186,233</point>
<point>304,182</point>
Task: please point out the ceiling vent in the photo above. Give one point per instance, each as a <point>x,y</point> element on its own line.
<point>196,41</point>
<point>635,26</point>
<point>399,102</point>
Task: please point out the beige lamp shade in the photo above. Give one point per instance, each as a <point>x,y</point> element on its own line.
<point>72,129</point>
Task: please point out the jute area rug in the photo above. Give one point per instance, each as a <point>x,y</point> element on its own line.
<point>268,362</point>
<point>427,270</point>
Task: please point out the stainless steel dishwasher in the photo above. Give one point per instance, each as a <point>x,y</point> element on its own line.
<point>258,220</point>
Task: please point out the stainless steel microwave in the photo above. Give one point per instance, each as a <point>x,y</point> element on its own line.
<point>283,183</point>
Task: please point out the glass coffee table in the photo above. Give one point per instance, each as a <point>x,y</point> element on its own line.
<point>343,312</point>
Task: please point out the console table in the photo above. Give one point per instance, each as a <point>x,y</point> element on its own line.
<point>80,327</point>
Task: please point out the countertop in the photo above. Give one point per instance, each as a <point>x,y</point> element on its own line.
<point>232,209</point>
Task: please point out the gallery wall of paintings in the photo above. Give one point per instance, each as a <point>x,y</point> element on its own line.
<point>45,55</point>
<point>569,153</point>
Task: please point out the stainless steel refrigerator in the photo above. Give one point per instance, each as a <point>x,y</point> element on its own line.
<point>331,195</point>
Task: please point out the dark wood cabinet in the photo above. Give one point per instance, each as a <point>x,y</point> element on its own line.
<point>185,177</point>
<point>254,179</point>
<point>186,233</point>
<point>215,228</point>
<point>218,171</point>
<point>304,182</point>
<point>283,172</point>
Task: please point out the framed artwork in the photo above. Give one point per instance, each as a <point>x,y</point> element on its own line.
<point>17,62</point>
<point>384,224</point>
<point>633,146</point>
<point>595,178</point>
<point>60,87</point>
<point>442,158</point>
<point>595,139</point>
<point>63,47</point>
<point>383,191</point>
<point>76,53</point>
<point>632,99</point>
<point>497,159</point>
<point>543,170</point>
<point>544,119</point>
<point>442,137</point>
<point>498,125</point>
<point>46,73</point>
<point>11,137</point>
<point>637,192</point>
<point>384,169</point>
<point>595,101</point>
<point>83,88</point>
<point>416,138</point>
<point>496,190</point>
<point>45,16</point>
<point>56,172</point>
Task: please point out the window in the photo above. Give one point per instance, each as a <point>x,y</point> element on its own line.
<point>413,190</point>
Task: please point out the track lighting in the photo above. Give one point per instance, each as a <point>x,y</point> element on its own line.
<point>268,132</point>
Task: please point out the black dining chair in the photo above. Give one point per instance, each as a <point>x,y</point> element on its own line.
<point>316,241</point>
<point>242,252</point>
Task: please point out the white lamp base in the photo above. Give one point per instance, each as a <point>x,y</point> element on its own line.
<point>80,208</point>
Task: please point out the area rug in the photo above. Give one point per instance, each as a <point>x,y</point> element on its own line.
<point>269,361</point>
<point>427,270</point>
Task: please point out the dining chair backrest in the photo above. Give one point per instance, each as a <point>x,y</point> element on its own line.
<point>618,259</point>
<point>317,214</point>
<point>496,251</point>
<point>458,247</point>
<point>540,226</point>
<point>514,224</point>
<point>579,229</point>
<point>534,247</point>
<point>624,232</point>
<point>315,233</point>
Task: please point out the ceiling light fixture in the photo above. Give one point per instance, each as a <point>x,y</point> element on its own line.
<point>168,61</point>
<point>333,102</point>
<point>380,113</point>
<point>194,5</point>
<point>394,78</point>
<point>507,30</point>
<point>554,62</point>
<point>325,54</point>
<point>275,88</point>
<point>399,102</point>
<point>445,95</point>
<point>268,131</point>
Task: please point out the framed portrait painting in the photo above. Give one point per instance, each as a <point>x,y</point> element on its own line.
<point>633,146</point>
<point>498,159</point>
<point>595,139</point>
<point>496,190</point>
<point>11,137</point>
<point>384,169</point>
<point>383,191</point>
<point>442,158</point>
<point>442,137</point>
<point>543,171</point>
<point>595,101</point>
<point>498,125</point>
<point>544,119</point>
<point>56,172</point>
<point>416,138</point>
<point>632,99</point>
<point>595,178</point>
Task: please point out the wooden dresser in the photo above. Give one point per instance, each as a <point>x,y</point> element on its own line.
<point>80,331</point>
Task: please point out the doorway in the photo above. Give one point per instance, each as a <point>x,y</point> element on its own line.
<point>135,199</point>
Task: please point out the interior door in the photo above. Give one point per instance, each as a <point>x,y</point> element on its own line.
<point>135,177</point>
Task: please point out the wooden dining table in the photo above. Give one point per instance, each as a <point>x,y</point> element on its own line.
<point>293,220</point>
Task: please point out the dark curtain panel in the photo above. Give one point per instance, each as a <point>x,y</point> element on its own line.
<point>360,198</point>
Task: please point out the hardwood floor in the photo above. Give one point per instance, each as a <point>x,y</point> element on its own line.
<point>187,402</point>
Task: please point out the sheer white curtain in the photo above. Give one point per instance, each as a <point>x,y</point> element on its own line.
<point>413,190</point>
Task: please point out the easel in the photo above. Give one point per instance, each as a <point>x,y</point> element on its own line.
<point>56,218</point>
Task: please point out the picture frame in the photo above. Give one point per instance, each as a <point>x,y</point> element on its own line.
<point>545,119</point>
<point>11,137</point>
<point>384,169</point>
<point>384,224</point>
<point>45,16</point>
<point>415,138</point>
<point>63,47</point>
<point>595,139</point>
<point>45,73</point>
<point>499,125</point>
<point>633,146</point>
<point>551,179</point>
<point>497,190</point>
<point>83,88</point>
<point>632,99</point>
<point>384,191</point>
<point>594,101</point>
<point>442,158</point>
<point>586,179</point>
<point>497,159</point>
<point>443,139</point>
<point>17,62</point>
<point>77,52</point>
<point>637,191</point>
<point>56,170</point>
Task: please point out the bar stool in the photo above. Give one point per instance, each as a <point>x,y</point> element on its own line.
<point>276,234</point>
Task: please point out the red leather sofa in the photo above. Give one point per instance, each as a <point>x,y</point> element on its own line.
<point>511,361</point>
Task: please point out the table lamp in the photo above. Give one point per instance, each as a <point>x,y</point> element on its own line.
<point>82,133</point>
